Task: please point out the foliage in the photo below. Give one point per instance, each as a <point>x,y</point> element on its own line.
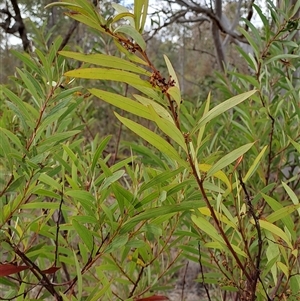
<point>216,183</point>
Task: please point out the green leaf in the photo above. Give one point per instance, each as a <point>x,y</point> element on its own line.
<point>99,151</point>
<point>202,129</point>
<point>217,245</point>
<point>287,220</point>
<point>291,194</point>
<point>26,59</point>
<point>79,275</point>
<point>84,233</point>
<point>221,108</point>
<point>276,231</point>
<point>154,139</point>
<point>106,61</point>
<point>123,103</point>
<point>133,33</point>
<point>59,137</point>
<point>169,128</point>
<point>160,179</point>
<point>172,72</point>
<point>16,184</point>
<point>204,225</point>
<point>50,181</point>
<point>159,109</point>
<point>108,74</point>
<point>284,56</point>
<point>33,86</point>
<point>117,243</point>
<point>84,19</point>
<point>115,177</point>
<point>144,15</point>
<point>121,10</point>
<point>159,211</point>
<point>175,93</point>
<point>82,195</point>
<point>295,144</point>
<point>14,139</point>
<point>281,213</point>
<point>255,164</point>
<point>140,14</point>
<point>229,158</point>
<point>283,268</point>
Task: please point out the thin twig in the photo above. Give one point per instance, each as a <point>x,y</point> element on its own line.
<point>202,272</point>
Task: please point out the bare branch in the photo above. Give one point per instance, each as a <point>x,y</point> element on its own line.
<point>192,6</point>
<point>19,24</point>
<point>250,13</point>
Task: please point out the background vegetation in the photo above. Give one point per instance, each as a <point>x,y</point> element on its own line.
<point>194,163</point>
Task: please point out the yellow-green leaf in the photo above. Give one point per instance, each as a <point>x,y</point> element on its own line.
<point>172,72</point>
<point>229,158</point>
<point>154,139</point>
<point>168,128</point>
<point>221,108</point>
<point>105,61</point>
<point>219,174</point>
<point>175,93</point>
<point>255,164</point>
<point>281,213</point>
<point>207,227</point>
<point>108,74</point>
<point>274,230</point>
<point>133,33</point>
<point>160,110</point>
<point>123,103</point>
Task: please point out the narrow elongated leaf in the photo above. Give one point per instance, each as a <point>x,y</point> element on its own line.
<point>172,72</point>
<point>295,144</point>
<point>50,181</point>
<point>207,227</point>
<point>144,15</point>
<point>202,129</point>
<point>275,231</point>
<point>123,103</point>
<point>159,109</point>
<point>217,245</point>
<point>84,233</point>
<point>108,74</point>
<point>281,213</point>
<point>133,33</point>
<point>99,151</point>
<point>14,139</point>
<point>159,179</point>
<point>221,108</point>
<point>117,243</point>
<point>229,158</point>
<point>81,195</point>
<point>275,205</point>
<point>78,272</point>
<point>59,137</point>
<point>85,19</point>
<point>219,174</point>
<point>26,59</point>
<point>115,177</point>
<point>123,10</point>
<point>155,140</point>
<point>160,211</point>
<point>168,128</point>
<point>283,56</point>
<point>291,194</point>
<point>255,164</point>
<point>7,269</point>
<point>105,60</point>
<point>175,93</point>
